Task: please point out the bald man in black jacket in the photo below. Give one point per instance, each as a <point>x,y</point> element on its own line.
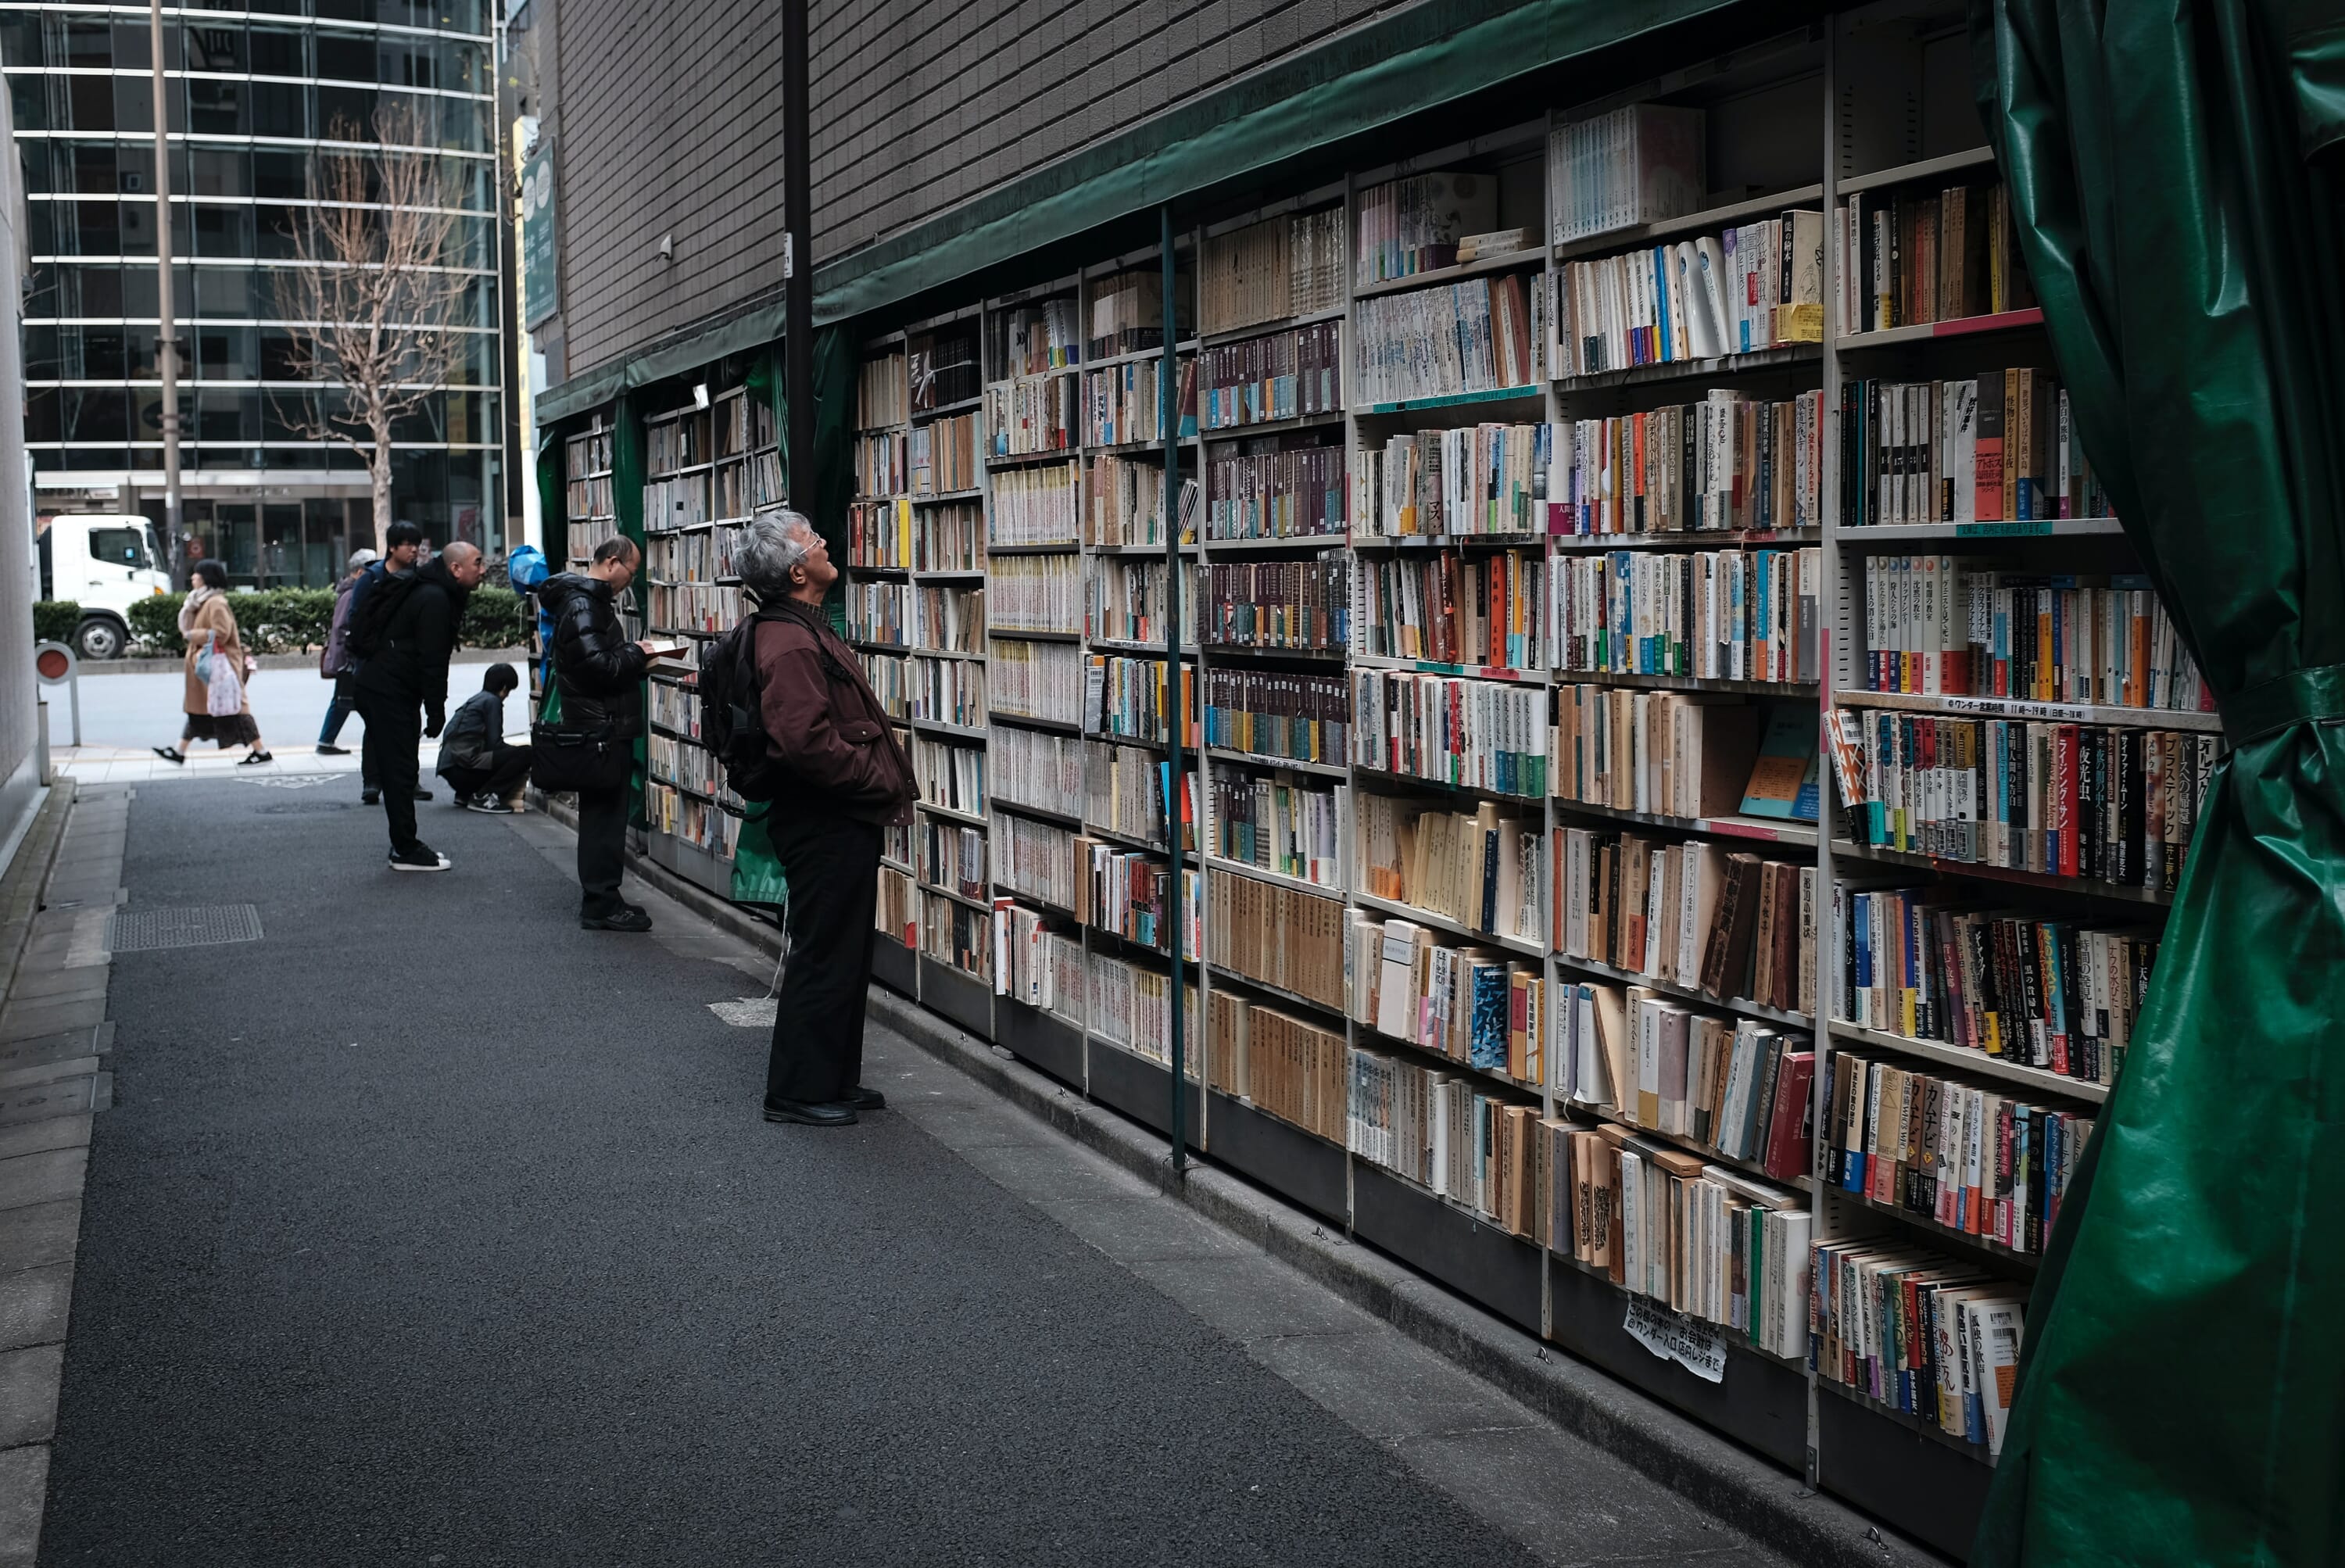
<point>405,673</point>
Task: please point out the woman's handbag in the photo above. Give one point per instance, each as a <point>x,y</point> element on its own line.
<point>223,687</point>
<point>563,761</point>
<point>204,658</point>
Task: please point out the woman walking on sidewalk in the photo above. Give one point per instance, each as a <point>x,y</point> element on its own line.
<point>848,777</point>
<point>218,668</point>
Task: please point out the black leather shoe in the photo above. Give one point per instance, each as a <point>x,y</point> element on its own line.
<point>369,797</point>
<point>628,919</point>
<point>864,1099</point>
<point>831,1115</point>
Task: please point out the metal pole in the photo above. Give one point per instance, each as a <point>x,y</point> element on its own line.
<point>166,341</point>
<point>1168,387</point>
<point>797,284</point>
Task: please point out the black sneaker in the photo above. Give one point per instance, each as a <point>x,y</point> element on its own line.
<point>419,859</point>
<point>325,749</point>
<point>369,797</point>
<point>629,918</point>
<point>488,806</point>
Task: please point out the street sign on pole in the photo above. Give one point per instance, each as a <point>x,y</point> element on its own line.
<point>56,665</point>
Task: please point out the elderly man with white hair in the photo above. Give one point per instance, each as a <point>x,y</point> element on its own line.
<point>844,778</point>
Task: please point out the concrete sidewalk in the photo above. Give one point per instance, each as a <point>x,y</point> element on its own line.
<point>390,1255</point>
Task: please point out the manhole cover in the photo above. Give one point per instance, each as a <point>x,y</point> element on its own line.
<point>747,1013</point>
<point>292,780</point>
<point>145,930</point>
<point>302,808</point>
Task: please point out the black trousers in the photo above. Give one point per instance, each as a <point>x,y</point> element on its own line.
<point>602,852</point>
<point>833,865</point>
<point>508,766</point>
<point>394,729</point>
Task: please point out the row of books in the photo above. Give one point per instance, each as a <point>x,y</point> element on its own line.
<point>1130,1005</point>
<point>1290,827</point>
<point>941,456</point>
<point>1700,1239</point>
<point>1129,893</point>
<point>694,606</point>
<point>1278,603</point>
<point>949,775</point>
<point>1035,593</point>
<point>1037,964</point>
<point>879,534</point>
<point>674,707</point>
<point>891,679</point>
<point>1937,626</point>
<point>1919,1332</point>
<point>1130,793</point>
<point>1297,493</point>
<point>1030,414</point>
<point>915,616</point>
<point>952,857</point>
<point>1036,680</point>
<point>1128,313</point>
<point>586,456</point>
<point>1727,462</point>
<point>1694,915</point>
<point>1279,937</point>
<point>680,500</point>
<point>883,392</point>
<point>682,764</point>
<point>1443,1131</point>
<point>941,690</point>
<point>2108,803</point>
<point>698,557</point>
<point>1911,257</point>
<point>588,497</point>
<point>1719,615</point>
<point>1751,287</point>
<point>1266,272</point>
<point>1479,336</point>
<point>1479,734</point>
<point>1988,449</point>
<point>1407,226</point>
<point>743,485</point>
<point>1638,164</point>
<point>942,366</point>
<point>1485,610</point>
<point>1039,335</point>
<point>1129,697</point>
<point>1125,402</point>
<point>1035,768</point>
<point>1274,716</point>
<point>1124,502</point>
<point>1478,479</point>
<point>703,824</point>
<point>680,441</point>
<point>1974,1159</point>
<point>1484,869</point>
<point>1127,599</point>
<point>882,462</point>
<point>1680,754</point>
<point>957,935</point>
<point>1037,506</point>
<point>2059,994</point>
<point>584,537</point>
<point>896,912</point>
<point>1279,375</point>
<point>1038,859</point>
<point>1736,1088</point>
<point>1288,1067</point>
<point>1472,1005</point>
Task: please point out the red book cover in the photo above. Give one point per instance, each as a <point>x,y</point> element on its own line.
<point>1788,1127</point>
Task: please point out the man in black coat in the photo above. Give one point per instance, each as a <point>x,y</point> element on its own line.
<point>599,675</point>
<point>405,672</point>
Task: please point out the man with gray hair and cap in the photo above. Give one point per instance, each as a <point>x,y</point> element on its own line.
<point>407,671</point>
<point>843,777</point>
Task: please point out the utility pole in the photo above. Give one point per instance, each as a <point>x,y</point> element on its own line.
<point>166,341</point>
<point>798,262</point>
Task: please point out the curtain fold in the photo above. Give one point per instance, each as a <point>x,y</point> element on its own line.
<point>2173,182</point>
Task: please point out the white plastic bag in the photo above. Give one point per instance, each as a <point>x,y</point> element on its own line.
<point>223,687</point>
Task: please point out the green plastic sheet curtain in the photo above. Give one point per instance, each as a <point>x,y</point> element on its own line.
<point>758,877</point>
<point>2181,1394</point>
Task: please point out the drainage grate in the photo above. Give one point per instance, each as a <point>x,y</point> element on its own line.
<point>145,930</point>
<point>303,807</point>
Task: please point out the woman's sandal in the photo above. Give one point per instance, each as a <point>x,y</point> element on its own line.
<point>170,753</point>
<point>251,757</point>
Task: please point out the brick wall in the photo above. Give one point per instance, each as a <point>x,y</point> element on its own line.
<point>669,123</point>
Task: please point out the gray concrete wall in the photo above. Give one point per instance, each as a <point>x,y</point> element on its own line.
<point>919,105</point>
<point>19,772</point>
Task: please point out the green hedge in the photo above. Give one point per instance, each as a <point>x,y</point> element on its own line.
<point>296,620</point>
<point>55,620</point>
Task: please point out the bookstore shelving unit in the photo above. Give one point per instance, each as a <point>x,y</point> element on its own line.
<point>707,467</point>
<point>1517,496</point>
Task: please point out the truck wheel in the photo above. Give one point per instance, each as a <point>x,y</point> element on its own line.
<point>99,638</point>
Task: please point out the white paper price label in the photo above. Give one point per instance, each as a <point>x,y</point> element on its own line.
<point>1698,1347</point>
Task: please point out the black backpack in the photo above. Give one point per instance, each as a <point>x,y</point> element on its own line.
<point>731,723</point>
<point>378,595</point>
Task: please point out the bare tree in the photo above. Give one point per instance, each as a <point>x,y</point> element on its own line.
<point>376,293</point>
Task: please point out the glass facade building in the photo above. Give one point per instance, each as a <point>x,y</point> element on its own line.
<point>251,91</point>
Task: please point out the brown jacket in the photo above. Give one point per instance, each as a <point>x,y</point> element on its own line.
<point>213,615</point>
<point>824,723</point>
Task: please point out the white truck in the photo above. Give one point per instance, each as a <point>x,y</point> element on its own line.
<point>103,562</point>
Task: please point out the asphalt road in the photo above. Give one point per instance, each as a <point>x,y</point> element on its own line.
<point>147,709</point>
<point>396,1253</point>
